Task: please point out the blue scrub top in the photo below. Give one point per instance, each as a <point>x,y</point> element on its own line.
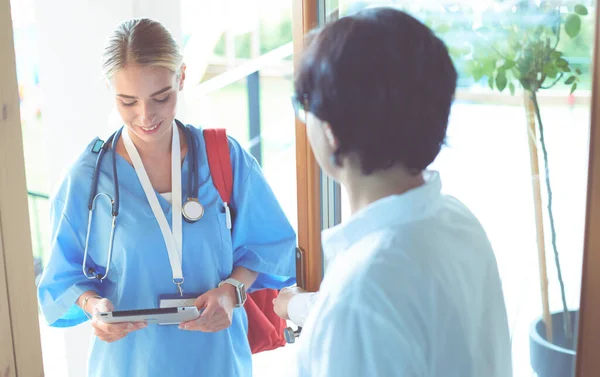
<point>262,240</point>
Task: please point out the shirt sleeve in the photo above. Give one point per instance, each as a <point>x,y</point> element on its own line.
<point>354,339</point>
<point>496,352</point>
<point>62,281</point>
<point>300,306</point>
<point>263,238</point>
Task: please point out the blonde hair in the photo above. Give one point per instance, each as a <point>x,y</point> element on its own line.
<point>143,42</point>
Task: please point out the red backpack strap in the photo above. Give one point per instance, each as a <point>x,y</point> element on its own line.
<point>219,162</point>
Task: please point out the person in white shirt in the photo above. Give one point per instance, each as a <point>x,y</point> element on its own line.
<point>412,288</point>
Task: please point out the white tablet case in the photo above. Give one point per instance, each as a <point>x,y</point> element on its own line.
<point>161,316</point>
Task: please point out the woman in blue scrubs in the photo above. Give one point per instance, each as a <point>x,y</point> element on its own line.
<point>146,73</point>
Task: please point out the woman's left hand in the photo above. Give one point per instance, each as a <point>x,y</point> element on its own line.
<point>217,305</point>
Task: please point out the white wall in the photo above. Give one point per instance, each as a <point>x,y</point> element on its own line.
<point>71,36</point>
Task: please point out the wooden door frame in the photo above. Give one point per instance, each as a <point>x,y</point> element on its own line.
<point>308,173</point>
<point>588,362</point>
<point>20,350</point>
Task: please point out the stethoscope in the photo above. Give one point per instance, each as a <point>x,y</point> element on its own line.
<point>191,210</point>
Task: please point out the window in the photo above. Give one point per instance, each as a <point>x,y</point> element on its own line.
<point>240,54</point>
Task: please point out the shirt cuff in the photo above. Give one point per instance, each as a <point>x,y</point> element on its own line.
<point>299,307</point>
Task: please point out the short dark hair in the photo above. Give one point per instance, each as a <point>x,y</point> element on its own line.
<point>385,83</point>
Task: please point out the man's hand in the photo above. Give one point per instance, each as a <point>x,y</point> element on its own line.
<point>280,304</point>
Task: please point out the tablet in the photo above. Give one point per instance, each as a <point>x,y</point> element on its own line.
<point>161,316</point>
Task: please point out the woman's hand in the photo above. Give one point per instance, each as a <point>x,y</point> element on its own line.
<point>280,304</point>
<point>111,332</point>
<point>217,305</point>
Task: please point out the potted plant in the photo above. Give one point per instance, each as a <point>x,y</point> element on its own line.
<point>519,46</point>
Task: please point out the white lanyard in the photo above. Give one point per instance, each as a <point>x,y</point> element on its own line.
<point>173,239</point>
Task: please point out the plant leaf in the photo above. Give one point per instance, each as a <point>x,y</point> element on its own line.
<point>508,64</point>
<point>511,87</point>
<point>578,71</point>
<point>556,54</point>
<point>573,25</point>
<point>515,71</point>
<point>442,29</point>
<point>514,42</point>
<point>470,66</point>
<point>459,51</point>
<point>538,31</point>
<point>565,68</point>
<point>491,82</point>
<point>489,67</point>
<point>501,80</point>
<point>552,72</point>
<point>570,80</point>
<point>478,73</point>
<point>573,87</point>
<point>581,10</point>
<point>525,84</point>
<point>561,62</point>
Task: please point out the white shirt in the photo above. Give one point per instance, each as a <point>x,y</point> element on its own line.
<point>413,290</point>
<point>300,306</point>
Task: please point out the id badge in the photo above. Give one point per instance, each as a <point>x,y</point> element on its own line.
<point>176,300</point>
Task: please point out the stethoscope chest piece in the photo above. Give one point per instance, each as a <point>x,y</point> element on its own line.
<point>192,210</point>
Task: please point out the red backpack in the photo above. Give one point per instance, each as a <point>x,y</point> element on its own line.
<point>265,328</point>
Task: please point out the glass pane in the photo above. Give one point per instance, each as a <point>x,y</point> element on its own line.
<point>242,59</point>
<point>487,162</point>
<point>238,57</point>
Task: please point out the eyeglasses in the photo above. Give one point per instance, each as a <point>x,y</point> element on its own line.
<point>300,107</point>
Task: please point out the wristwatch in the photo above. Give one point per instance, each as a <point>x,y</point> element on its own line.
<point>240,290</point>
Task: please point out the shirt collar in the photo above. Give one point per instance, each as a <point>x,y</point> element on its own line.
<point>410,206</point>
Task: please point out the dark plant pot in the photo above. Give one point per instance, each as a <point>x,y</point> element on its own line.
<point>556,359</point>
